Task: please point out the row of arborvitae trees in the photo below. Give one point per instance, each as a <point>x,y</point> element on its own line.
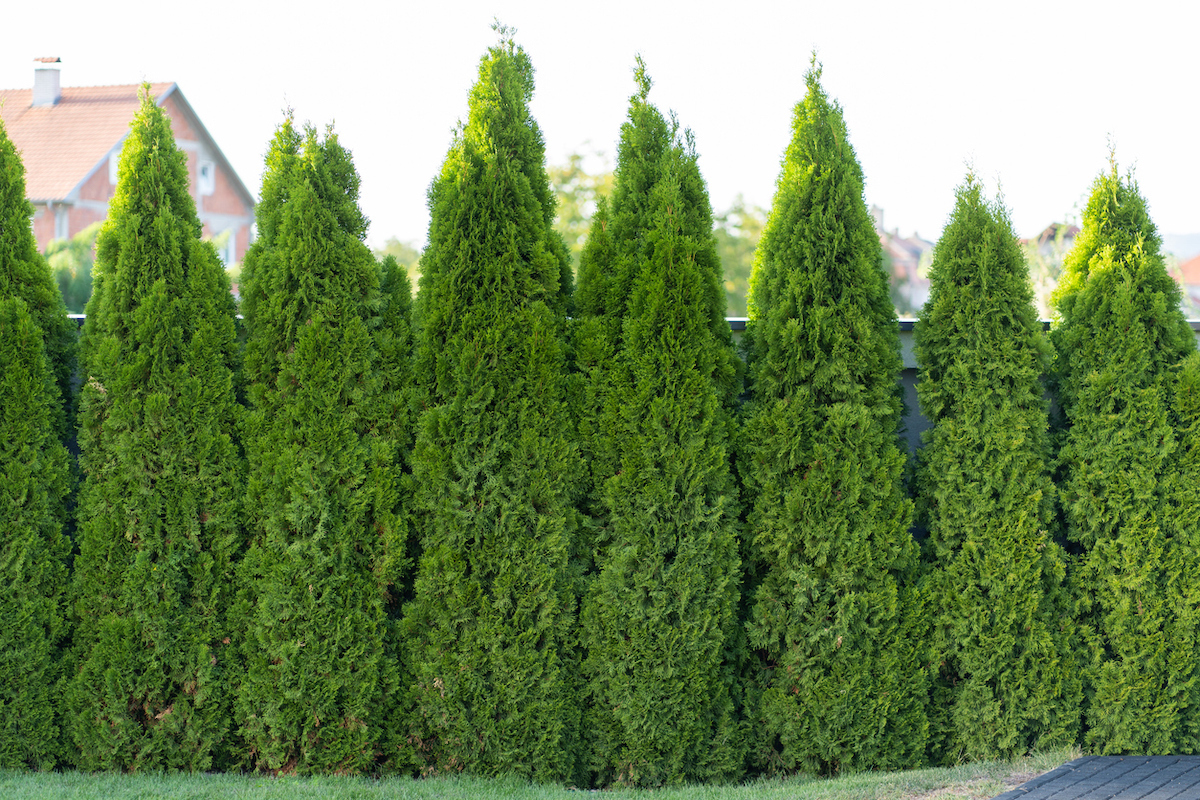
<point>523,527</point>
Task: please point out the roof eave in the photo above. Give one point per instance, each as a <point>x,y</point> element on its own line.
<point>237,179</point>
<point>73,195</point>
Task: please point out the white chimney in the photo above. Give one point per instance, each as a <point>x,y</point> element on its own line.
<point>47,88</point>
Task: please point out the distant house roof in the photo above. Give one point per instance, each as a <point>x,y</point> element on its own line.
<point>1069,232</point>
<point>1190,271</point>
<point>63,144</point>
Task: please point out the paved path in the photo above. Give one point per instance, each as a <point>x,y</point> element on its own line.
<point>1115,778</point>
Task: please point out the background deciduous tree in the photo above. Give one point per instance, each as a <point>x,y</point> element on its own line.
<point>406,254</point>
<point>578,186</point>
<point>71,261</point>
<point>738,231</point>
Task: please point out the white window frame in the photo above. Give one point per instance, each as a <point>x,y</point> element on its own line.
<point>206,177</point>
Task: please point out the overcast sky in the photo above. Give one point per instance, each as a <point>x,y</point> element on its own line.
<point>1030,93</point>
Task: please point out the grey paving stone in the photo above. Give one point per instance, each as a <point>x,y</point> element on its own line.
<point>1115,778</point>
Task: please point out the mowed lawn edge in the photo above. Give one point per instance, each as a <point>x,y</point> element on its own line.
<point>973,781</point>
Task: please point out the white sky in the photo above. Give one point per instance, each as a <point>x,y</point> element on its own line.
<point>1030,93</point>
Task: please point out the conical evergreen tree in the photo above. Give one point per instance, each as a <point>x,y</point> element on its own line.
<point>323,508</point>
<point>492,628</point>
<point>25,274</point>
<point>835,625</point>
<point>660,372</point>
<point>33,571</point>
<point>37,345</point>
<point>1001,631</point>
<point>1120,338</point>
<point>159,508</point>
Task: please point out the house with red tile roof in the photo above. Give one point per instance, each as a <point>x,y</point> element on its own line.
<point>70,140</point>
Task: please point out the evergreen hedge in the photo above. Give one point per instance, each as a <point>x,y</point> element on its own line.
<point>1134,579</point>
<point>660,613</point>
<point>326,528</point>
<point>160,503</point>
<point>34,478</point>
<point>837,627</point>
<point>492,628</point>
<point>593,602</point>
<point>1007,681</point>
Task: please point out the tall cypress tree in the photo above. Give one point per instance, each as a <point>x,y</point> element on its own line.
<point>159,508</point>
<point>836,627</point>
<point>492,626</point>
<point>323,511</point>
<point>659,616</point>
<point>33,551</point>
<point>36,361</point>
<point>1121,337</point>
<point>984,493</point>
<point>25,274</point>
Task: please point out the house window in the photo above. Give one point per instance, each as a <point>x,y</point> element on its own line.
<point>206,177</point>
<point>62,222</point>
<point>114,161</point>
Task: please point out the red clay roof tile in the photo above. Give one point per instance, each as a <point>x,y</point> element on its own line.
<point>63,143</point>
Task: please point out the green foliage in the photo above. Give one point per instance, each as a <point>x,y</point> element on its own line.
<point>406,255</point>
<point>492,626</point>
<point>34,479</point>
<point>661,378</point>
<point>738,231</point>
<point>160,502</point>
<point>1001,632</point>
<point>1134,581</point>
<point>578,192</point>
<point>71,262</point>
<point>24,274</point>
<point>326,374</point>
<point>835,622</point>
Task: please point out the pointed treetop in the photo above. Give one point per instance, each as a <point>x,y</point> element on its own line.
<point>506,33</point>
<point>819,195</point>
<point>978,256</point>
<point>16,237</point>
<point>24,273</point>
<point>1116,222</point>
<point>504,55</point>
<point>496,167</point>
<point>813,77</point>
<point>642,79</point>
<point>1119,211</point>
<point>281,156</point>
<point>152,175</point>
<point>330,169</point>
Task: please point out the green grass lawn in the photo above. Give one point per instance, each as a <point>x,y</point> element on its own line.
<point>974,781</point>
